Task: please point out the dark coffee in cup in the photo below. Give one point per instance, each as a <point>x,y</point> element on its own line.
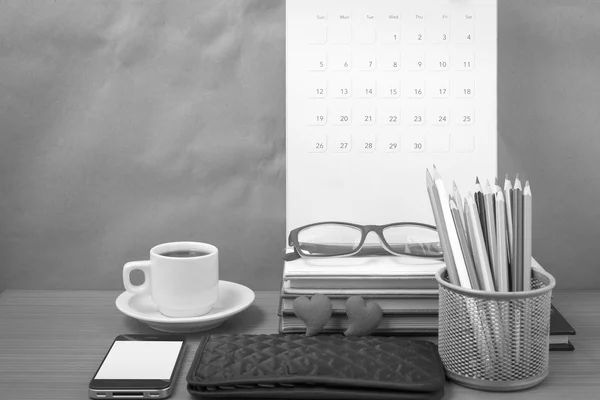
<point>185,253</point>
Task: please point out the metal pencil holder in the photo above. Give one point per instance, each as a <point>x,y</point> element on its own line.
<point>495,341</point>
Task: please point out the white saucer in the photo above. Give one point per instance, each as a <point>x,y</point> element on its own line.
<point>233,298</point>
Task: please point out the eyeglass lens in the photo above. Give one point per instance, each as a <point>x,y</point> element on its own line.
<point>412,239</point>
<point>329,239</point>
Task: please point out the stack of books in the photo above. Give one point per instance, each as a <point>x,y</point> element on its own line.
<point>405,289</point>
<point>406,293</point>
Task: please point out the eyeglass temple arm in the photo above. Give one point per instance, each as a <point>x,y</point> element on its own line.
<point>290,254</point>
<point>432,249</point>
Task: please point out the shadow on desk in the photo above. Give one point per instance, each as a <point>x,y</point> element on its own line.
<point>252,320</point>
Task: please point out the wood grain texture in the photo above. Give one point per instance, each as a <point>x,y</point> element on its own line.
<point>52,341</point>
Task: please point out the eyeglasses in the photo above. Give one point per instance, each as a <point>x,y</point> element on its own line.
<point>342,239</point>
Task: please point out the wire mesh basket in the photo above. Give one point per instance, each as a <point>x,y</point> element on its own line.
<point>495,341</point>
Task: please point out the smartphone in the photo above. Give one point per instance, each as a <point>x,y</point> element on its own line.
<point>138,367</point>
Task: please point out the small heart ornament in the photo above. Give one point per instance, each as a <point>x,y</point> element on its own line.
<point>315,312</point>
<point>364,318</point>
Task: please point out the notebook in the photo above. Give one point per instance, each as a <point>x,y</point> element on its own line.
<point>388,305</point>
<point>362,267</point>
<point>359,291</point>
<point>421,324</point>
<point>560,331</point>
<point>365,283</point>
<point>376,92</point>
<point>386,272</point>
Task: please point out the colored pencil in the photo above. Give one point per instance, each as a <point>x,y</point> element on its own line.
<point>462,238</point>
<point>479,200</point>
<point>457,254</point>
<point>490,225</point>
<point>480,256</point>
<point>442,229</point>
<point>459,204</point>
<point>517,260</point>
<point>501,266</point>
<point>527,218</point>
<point>508,213</point>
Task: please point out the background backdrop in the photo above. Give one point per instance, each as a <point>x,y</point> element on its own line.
<point>126,124</point>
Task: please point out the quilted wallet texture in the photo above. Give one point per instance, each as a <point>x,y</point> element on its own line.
<point>275,366</point>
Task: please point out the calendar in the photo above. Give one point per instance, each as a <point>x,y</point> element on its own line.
<point>377,92</point>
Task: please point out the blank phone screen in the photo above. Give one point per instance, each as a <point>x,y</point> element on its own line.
<point>140,360</point>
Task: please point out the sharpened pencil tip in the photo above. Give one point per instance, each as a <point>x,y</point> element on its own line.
<point>488,188</point>
<point>436,174</point>
<point>476,179</point>
<point>518,184</point>
<point>499,196</point>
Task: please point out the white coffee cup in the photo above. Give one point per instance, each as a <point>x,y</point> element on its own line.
<point>181,286</point>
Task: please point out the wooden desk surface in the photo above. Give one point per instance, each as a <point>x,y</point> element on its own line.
<point>51,343</point>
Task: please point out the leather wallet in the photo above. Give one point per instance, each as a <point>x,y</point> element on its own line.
<point>275,366</point>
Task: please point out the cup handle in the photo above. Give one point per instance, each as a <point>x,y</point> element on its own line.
<point>143,266</point>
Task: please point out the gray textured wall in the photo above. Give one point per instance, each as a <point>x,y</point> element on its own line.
<point>549,126</point>
<point>126,124</point>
